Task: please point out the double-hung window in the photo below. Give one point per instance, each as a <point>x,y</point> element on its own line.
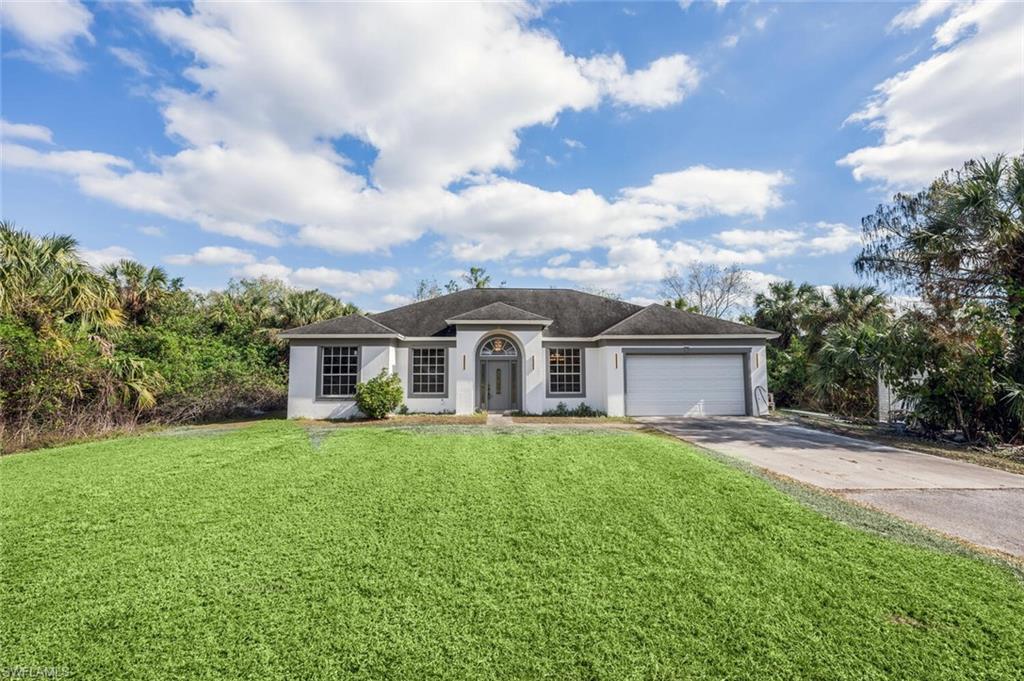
<point>565,371</point>
<point>339,370</point>
<point>429,371</point>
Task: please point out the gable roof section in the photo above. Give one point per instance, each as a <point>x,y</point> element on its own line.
<point>353,324</point>
<point>499,311</point>
<point>661,320</point>
<point>573,313</point>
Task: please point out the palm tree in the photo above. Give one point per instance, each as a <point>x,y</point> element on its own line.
<point>786,308</point>
<point>138,288</point>
<point>43,281</point>
<point>299,308</point>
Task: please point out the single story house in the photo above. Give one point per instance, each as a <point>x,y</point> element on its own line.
<point>523,349</point>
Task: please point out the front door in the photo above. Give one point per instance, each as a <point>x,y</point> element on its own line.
<point>498,385</point>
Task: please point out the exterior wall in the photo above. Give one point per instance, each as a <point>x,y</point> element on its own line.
<point>426,405</point>
<point>755,365</point>
<point>303,371</point>
<point>604,372</point>
<point>531,366</point>
<point>594,394</point>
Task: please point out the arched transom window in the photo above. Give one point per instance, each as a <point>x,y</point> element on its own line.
<point>499,347</point>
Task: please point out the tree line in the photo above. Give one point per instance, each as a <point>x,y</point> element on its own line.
<point>952,345</point>
<point>83,351</point>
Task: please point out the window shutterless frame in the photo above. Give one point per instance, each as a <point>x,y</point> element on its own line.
<point>428,372</point>
<point>337,371</point>
<point>565,372</point>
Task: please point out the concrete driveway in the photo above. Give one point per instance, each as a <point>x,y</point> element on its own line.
<point>983,505</point>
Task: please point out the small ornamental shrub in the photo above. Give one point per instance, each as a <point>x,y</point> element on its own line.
<point>583,409</point>
<point>380,396</point>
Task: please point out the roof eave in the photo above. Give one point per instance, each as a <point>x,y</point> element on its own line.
<point>293,336</point>
<point>492,322</point>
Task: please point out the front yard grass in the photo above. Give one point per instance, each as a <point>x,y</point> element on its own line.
<point>263,552</point>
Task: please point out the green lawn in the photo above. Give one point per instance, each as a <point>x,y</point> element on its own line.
<point>263,552</point>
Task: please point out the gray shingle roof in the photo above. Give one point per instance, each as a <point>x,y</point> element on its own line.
<point>659,320</point>
<point>499,311</point>
<point>355,324</point>
<point>574,314</point>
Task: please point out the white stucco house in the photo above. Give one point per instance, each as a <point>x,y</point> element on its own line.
<point>507,349</point>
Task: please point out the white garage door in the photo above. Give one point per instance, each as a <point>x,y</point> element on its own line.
<point>685,385</point>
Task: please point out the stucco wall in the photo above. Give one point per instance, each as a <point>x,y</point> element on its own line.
<point>425,405</point>
<point>302,378</point>
<point>603,366</point>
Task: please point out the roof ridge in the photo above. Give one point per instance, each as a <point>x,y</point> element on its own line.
<point>627,318</point>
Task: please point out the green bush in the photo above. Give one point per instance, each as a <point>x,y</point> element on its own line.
<point>582,409</point>
<point>380,396</point>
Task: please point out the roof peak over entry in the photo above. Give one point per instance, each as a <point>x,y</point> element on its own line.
<point>571,313</point>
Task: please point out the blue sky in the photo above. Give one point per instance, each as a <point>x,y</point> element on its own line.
<point>360,148</point>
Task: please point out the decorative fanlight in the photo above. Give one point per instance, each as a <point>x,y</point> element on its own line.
<point>498,347</point>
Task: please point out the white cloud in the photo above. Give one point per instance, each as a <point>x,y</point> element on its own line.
<point>825,238</point>
<point>274,86</point>
<point>212,255</point>
<point>919,14</point>
<point>396,299</point>
<point>151,230</point>
<point>573,144</point>
<point>963,102</point>
<point>131,59</point>
<point>764,238</point>
<point>502,217</point>
<point>24,131</point>
<point>550,161</point>
<point>48,31</point>
<point>105,256</point>
<point>700,191</point>
<point>837,238</point>
<point>560,259</point>
<point>342,282</point>
<point>731,40</point>
<point>760,23</point>
<point>665,82</point>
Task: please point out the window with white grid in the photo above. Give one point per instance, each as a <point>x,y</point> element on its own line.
<point>339,370</point>
<point>565,371</point>
<point>428,371</point>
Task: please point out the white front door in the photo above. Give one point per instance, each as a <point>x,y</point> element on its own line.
<point>685,385</point>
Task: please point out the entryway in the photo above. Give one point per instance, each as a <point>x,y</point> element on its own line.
<point>498,380</point>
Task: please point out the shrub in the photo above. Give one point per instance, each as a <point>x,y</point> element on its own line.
<point>582,409</point>
<point>379,396</point>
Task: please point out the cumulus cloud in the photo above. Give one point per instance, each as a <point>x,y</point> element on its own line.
<point>341,282</point>
<point>700,191</point>
<point>963,102</point>
<point>48,31</point>
<point>823,239</point>
<point>212,255</point>
<point>24,131</point>
<point>666,81</point>
<point>414,82</point>
<point>105,256</point>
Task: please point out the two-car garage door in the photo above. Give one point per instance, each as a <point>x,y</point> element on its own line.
<point>685,385</point>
